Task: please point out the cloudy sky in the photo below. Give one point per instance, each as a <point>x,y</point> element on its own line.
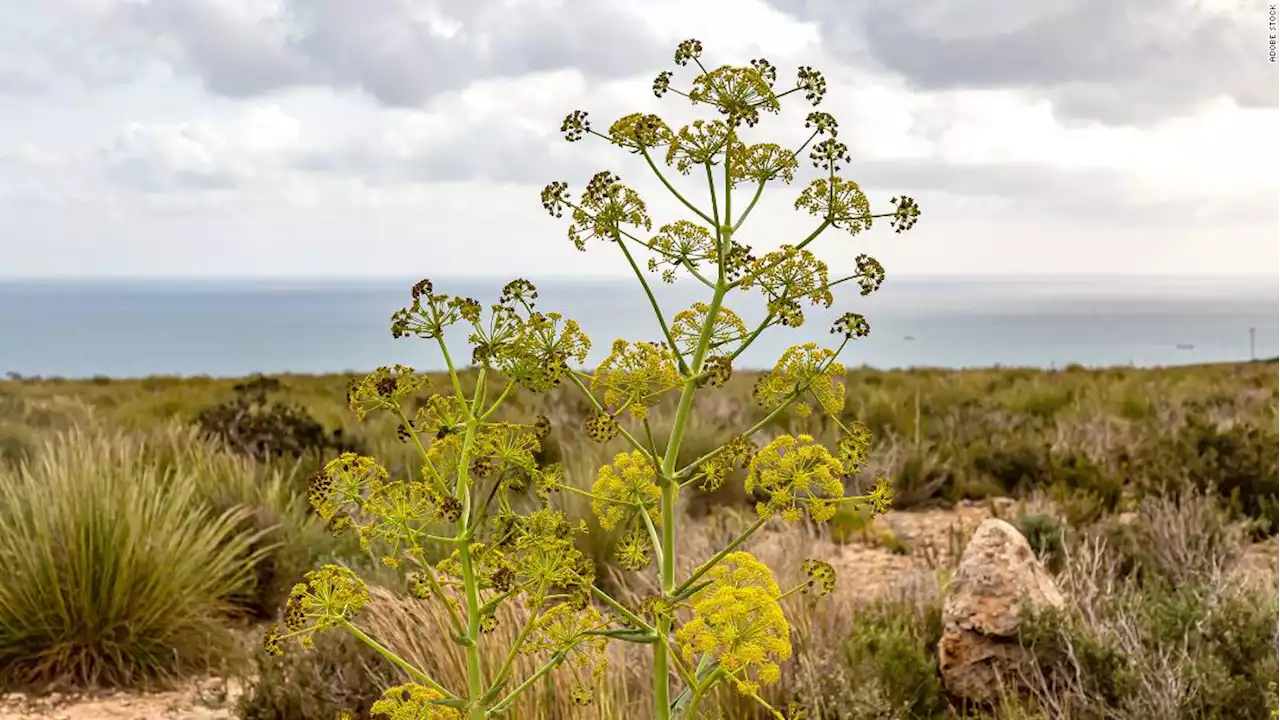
<point>412,137</point>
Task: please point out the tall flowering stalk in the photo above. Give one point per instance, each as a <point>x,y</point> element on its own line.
<point>480,480</point>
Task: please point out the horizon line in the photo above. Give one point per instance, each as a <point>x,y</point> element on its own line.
<point>613,277</point>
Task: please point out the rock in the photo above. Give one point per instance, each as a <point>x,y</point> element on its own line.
<point>998,574</point>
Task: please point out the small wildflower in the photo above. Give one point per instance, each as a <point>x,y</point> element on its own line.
<point>813,84</point>
<point>385,388</point>
<point>690,49</point>
<point>791,274</point>
<point>734,454</point>
<point>632,550</point>
<point>738,92</point>
<point>702,141</point>
<point>809,369</point>
<point>330,596</point>
<point>686,327</point>
<point>718,369</point>
<point>822,123</point>
<point>870,274</point>
<point>881,495</point>
<point>829,154</point>
<point>662,83</point>
<point>906,214</point>
<point>625,488</point>
<point>762,163</point>
<point>541,427</point>
<point>640,131</point>
<point>566,629</point>
<point>347,480</point>
<point>555,197</point>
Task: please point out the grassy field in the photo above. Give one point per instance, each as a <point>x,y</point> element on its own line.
<point>135,546</point>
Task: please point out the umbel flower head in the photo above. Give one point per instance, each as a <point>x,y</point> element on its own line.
<point>804,370</point>
<point>737,620</point>
<point>565,629</point>
<point>412,702</point>
<point>330,597</point>
<point>621,493</point>
<point>634,376</point>
<point>796,474</point>
<point>384,389</point>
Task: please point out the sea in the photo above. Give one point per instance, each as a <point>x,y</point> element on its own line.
<point>234,327</point>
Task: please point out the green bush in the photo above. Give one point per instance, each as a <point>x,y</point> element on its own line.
<point>339,674</point>
<point>254,424</point>
<point>899,652</point>
<point>114,572</point>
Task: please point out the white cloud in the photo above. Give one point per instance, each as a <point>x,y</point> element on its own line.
<point>323,167</point>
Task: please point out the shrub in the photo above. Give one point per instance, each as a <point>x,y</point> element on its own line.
<point>265,429</point>
<point>339,674</point>
<point>113,572</point>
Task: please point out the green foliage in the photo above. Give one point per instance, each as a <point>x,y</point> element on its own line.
<point>340,674</point>
<point>115,571</point>
<point>894,649</point>
<point>1046,535</point>
<point>265,429</point>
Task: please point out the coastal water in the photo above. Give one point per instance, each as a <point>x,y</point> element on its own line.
<point>129,328</point>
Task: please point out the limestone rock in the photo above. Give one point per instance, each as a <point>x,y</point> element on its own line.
<point>998,574</point>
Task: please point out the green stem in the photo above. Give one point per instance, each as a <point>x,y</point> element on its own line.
<point>500,678</point>
<point>653,302</point>
<point>750,206</point>
<point>670,188</point>
<point>661,670</point>
<point>396,660</point>
<point>471,590</point>
<point>453,373</point>
<point>705,567</point>
<point>503,396</point>
<point>502,706</point>
<point>621,609</point>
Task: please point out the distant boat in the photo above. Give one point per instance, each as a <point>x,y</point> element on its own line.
<point>908,338</point>
<point>1186,346</point>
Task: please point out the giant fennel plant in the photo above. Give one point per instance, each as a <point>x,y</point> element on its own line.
<point>477,523</point>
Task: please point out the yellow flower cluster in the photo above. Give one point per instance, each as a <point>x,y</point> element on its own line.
<point>795,473</point>
<point>330,596</point>
<point>804,369</point>
<point>634,376</point>
<point>686,327</point>
<point>624,489</point>
<point>787,276</point>
<point>737,620</point>
<point>385,389</point>
<point>566,630</point>
<point>412,702</point>
<point>738,92</point>
<point>838,200</point>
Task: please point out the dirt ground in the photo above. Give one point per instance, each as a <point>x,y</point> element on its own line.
<point>200,699</point>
